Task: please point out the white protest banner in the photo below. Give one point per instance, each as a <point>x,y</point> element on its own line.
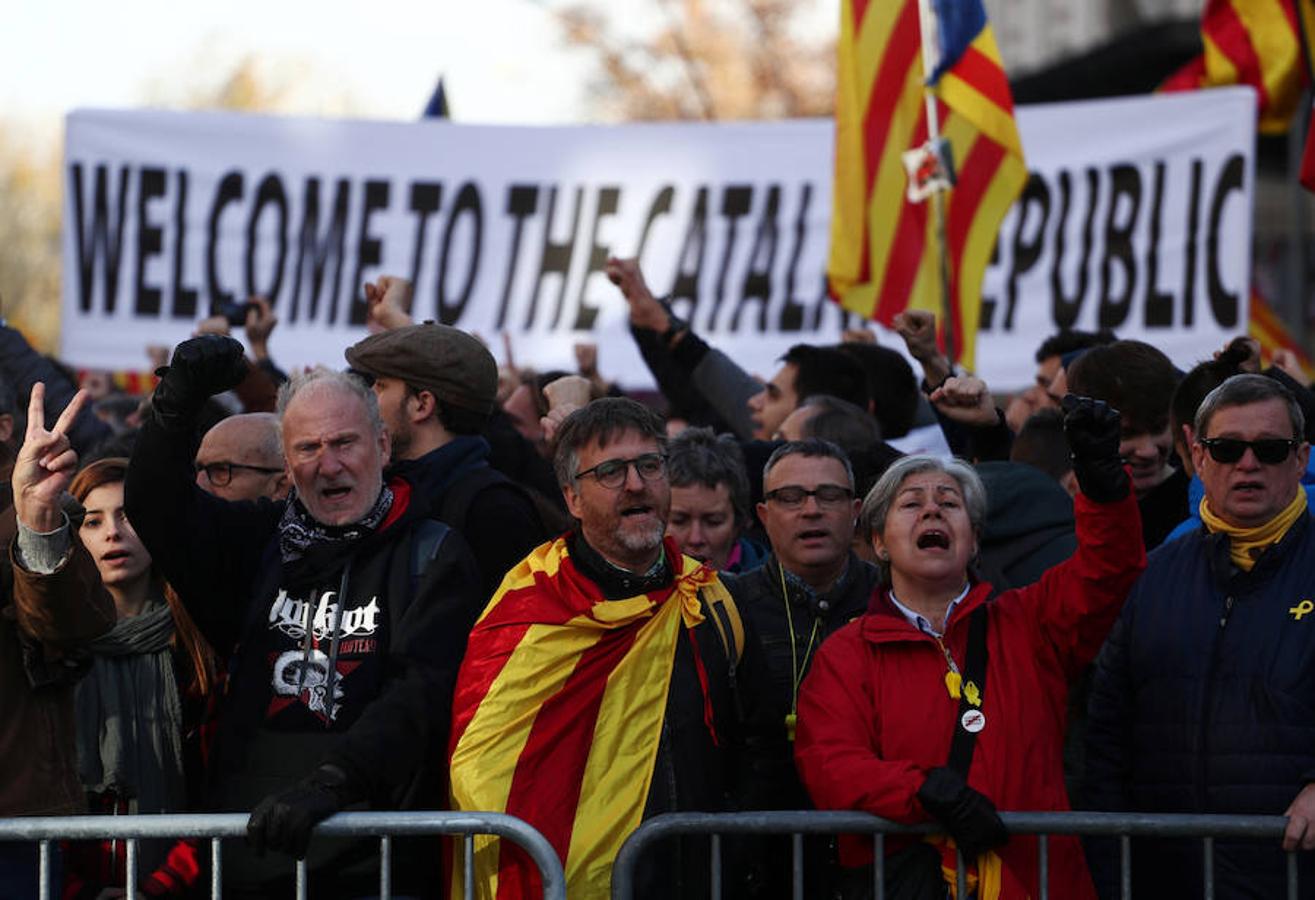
<point>1137,217</point>
<point>170,217</point>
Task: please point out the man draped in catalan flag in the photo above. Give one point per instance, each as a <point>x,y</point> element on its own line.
<point>901,236</point>
<point>597,685</point>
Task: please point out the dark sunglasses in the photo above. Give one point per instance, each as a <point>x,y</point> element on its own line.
<point>1268,451</point>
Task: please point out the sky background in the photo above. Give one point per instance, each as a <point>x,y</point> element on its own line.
<point>503,60</point>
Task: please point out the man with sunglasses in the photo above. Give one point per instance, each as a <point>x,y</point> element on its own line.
<point>598,688</point>
<point>241,458</point>
<point>1201,698</point>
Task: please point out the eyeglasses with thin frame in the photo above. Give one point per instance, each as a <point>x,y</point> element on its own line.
<point>1268,451</point>
<point>611,473</point>
<point>792,496</point>
<point>220,474</point>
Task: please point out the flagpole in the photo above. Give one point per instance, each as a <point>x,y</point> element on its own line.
<point>926,24</point>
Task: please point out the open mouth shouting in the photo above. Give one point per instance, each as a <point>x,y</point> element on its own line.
<point>335,492</point>
<point>933,539</point>
<point>636,511</point>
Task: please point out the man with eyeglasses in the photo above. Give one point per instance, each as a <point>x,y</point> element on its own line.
<point>810,586</point>
<point>1201,700</point>
<point>598,688</point>
<point>241,458</point>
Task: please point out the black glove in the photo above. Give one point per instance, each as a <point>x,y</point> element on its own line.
<point>284,821</point>
<point>1092,429</point>
<point>201,367</point>
<point>967,815</point>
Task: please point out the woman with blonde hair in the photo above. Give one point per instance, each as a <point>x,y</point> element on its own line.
<point>140,707</point>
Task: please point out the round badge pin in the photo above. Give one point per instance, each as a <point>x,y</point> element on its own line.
<point>973,721</point>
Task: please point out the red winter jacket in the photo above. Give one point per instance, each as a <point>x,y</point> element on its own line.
<point>875,715</point>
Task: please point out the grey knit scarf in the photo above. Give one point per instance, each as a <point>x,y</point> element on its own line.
<point>129,715</point>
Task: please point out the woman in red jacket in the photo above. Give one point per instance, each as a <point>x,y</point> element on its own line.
<point>887,694</point>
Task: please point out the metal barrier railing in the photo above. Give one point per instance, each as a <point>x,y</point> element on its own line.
<point>216,827</point>
<point>1124,826</point>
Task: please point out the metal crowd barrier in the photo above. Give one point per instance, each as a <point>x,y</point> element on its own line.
<point>216,827</point>
<point>1124,826</point>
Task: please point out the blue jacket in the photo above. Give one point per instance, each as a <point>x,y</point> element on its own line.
<point>1203,702</point>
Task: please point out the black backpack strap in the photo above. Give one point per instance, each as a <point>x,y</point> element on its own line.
<point>974,674</point>
<point>426,537</point>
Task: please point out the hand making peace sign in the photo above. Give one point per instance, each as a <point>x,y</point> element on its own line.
<point>46,463</point>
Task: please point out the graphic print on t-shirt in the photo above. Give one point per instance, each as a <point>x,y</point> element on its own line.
<point>300,673</point>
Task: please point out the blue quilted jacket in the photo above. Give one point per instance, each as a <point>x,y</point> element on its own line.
<point>1203,701</point>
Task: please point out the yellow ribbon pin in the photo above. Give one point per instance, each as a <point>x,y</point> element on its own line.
<point>953,684</point>
<point>1305,606</point>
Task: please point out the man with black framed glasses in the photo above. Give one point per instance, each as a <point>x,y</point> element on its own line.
<point>810,586</point>
<point>241,458</point>
<point>1201,699</point>
<point>599,687</point>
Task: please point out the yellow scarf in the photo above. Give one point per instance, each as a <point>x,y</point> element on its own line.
<point>1246,544</point>
<point>982,880</point>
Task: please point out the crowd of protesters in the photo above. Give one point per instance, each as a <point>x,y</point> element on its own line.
<point>409,579</point>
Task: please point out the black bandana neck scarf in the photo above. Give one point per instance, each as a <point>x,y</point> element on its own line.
<point>300,534</point>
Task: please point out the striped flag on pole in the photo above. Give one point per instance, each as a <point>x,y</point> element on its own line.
<point>885,254</point>
<point>1257,43</point>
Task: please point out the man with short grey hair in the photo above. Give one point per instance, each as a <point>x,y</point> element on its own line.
<point>1201,698</point>
<point>810,586</point>
<point>344,610</point>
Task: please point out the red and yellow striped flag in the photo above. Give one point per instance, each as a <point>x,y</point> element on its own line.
<point>1266,327</point>
<point>884,251</point>
<point>1257,43</point>
<point>557,714</point>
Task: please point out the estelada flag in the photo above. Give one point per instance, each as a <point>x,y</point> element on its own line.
<point>558,711</point>
<point>884,250</point>
<point>1257,43</point>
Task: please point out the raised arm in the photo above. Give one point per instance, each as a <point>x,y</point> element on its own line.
<point>1075,603</point>
<point>58,598</point>
<point>687,369</point>
<point>206,548</point>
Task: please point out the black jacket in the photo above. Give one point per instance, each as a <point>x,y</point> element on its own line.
<point>411,600</point>
<point>698,763</point>
<point>494,514</point>
<point>1201,703</point>
<point>815,617</point>
<point>768,779</point>
<point>1029,524</point>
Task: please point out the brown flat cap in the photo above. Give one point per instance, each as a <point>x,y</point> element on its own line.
<point>449,363</point>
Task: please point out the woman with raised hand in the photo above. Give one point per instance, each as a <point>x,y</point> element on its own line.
<point>946,701</point>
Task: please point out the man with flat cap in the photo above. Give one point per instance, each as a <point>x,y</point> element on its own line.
<point>437,387</point>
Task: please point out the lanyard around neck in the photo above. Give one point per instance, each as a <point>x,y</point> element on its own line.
<point>797,668</point>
